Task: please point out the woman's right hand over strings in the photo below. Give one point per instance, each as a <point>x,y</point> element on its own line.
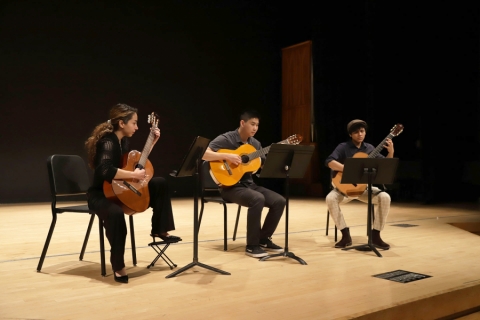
<point>138,174</point>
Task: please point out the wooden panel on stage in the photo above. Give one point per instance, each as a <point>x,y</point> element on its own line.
<point>297,110</point>
<point>335,284</point>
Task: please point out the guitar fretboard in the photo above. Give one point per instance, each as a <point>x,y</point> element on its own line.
<point>379,148</point>
<point>147,148</point>
<point>263,151</point>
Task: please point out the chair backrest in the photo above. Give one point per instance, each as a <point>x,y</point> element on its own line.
<point>207,182</point>
<point>68,175</point>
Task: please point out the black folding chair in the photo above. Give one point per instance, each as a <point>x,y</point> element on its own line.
<point>210,193</point>
<point>68,177</point>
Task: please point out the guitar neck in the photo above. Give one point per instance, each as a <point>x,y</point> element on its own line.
<point>258,153</point>
<point>263,151</point>
<point>379,148</point>
<point>146,149</point>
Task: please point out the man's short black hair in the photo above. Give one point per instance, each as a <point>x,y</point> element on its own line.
<point>249,114</point>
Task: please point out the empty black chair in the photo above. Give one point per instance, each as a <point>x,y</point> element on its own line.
<point>210,193</point>
<point>68,177</point>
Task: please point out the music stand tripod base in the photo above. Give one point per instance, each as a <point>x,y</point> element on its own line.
<point>365,247</point>
<point>285,254</point>
<point>196,263</point>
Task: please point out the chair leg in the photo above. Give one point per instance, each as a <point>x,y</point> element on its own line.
<point>236,223</point>
<point>200,216</point>
<point>47,241</point>
<point>102,247</point>
<point>132,238</point>
<point>87,235</point>
<point>224,227</point>
<point>328,220</point>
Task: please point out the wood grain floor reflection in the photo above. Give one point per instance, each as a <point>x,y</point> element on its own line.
<point>438,241</point>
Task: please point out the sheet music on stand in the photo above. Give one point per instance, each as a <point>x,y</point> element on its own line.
<point>355,169</point>
<point>195,151</point>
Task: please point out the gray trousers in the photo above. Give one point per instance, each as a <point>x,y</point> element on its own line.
<point>380,199</point>
<point>256,198</point>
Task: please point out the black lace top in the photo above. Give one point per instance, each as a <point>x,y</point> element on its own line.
<point>107,160</point>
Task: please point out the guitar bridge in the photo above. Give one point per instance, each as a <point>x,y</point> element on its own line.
<point>129,186</point>
<point>225,163</point>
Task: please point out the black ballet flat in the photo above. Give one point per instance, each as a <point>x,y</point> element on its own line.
<point>121,279</point>
<point>169,238</point>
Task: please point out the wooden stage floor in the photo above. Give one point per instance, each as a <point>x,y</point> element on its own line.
<point>440,241</point>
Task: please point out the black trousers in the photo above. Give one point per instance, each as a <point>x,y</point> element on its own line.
<point>256,198</point>
<point>114,218</point>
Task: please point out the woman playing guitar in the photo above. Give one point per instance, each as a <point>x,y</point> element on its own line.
<point>106,146</point>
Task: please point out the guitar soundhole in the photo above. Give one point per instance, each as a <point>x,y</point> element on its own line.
<point>245,159</point>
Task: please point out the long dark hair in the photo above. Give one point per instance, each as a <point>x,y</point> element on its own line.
<point>118,112</point>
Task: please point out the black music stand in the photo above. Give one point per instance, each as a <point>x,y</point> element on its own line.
<point>286,161</point>
<point>191,167</point>
<point>369,171</point>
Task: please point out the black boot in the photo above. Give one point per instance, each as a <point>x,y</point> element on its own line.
<point>346,239</point>
<point>378,242</point>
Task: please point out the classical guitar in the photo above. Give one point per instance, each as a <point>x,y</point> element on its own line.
<point>225,173</point>
<point>355,190</point>
<point>132,194</point>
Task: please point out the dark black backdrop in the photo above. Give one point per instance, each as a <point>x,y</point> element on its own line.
<point>63,64</point>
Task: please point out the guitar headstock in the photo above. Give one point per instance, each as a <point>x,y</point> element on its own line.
<point>396,130</point>
<point>153,119</point>
<point>294,139</point>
